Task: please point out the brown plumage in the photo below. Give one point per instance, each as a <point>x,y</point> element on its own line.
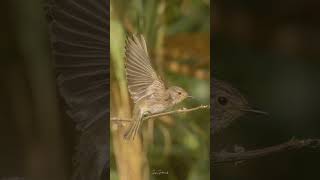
<point>146,89</point>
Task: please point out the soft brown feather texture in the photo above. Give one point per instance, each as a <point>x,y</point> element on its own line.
<point>145,87</point>
<point>141,77</point>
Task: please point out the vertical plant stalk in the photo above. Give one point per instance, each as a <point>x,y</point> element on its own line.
<point>131,160</point>
<point>130,157</point>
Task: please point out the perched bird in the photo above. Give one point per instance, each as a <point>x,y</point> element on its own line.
<point>79,32</point>
<point>228,105</point>
<point>147,90</point>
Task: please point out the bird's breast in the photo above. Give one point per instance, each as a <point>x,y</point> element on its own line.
<point>154,105</point>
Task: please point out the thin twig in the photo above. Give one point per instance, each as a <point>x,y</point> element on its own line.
<point>121,119</point>
<point>234,157</point>
<point>117,119</point>
<point>177,111</point>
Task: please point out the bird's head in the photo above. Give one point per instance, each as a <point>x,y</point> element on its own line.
<point>228,105</point>
<point>177,94</point>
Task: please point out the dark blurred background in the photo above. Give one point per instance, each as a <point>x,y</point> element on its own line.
<point>35,135</point>
<point>269,50</point>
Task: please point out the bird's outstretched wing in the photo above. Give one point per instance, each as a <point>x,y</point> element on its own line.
<point>79,36</point>
<point>79,31</point>
<point>141,77</point>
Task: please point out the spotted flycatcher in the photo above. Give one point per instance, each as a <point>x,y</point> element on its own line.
<point>146,88</point>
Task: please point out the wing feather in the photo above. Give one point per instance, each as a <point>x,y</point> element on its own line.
<point>141,77</point>
<point>79,31</point>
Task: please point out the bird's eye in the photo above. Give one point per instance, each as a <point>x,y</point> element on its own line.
<point>222,100</point>
<point>179,93</point>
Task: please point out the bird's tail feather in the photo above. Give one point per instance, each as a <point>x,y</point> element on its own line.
<point>134,127</point>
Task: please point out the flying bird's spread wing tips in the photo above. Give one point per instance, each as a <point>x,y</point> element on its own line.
<point>139,72</point>
<point>79,36</point>
<point>79,31</point>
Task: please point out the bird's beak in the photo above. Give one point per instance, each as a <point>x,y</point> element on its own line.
<point>254,111</point>
<point>190,97</point>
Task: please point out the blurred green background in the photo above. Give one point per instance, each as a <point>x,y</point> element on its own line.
<point>35,135</point>
<point>177,34</point>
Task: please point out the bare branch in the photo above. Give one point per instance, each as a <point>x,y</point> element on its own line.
<point>182,110</point>
<point>121,119</point>
<point>177,111</point>
<point>293,144</point>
